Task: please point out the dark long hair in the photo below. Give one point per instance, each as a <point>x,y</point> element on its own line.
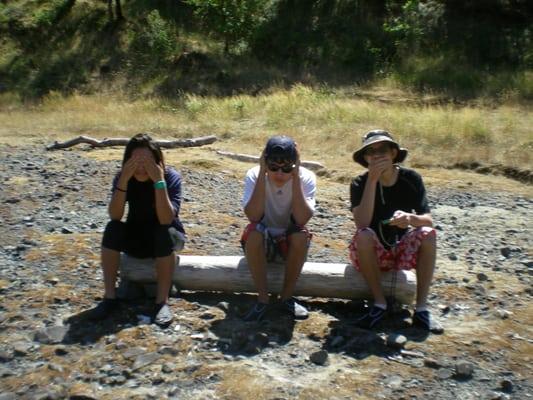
<point>143,140</point>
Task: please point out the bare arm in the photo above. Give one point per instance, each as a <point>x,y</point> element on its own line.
<point>362,214</point>
<point>118,200</point>
<point>301,211</point>
<point>163,207</point>
<point>255,208</point>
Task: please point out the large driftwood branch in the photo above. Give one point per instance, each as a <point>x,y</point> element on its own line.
<point>231,274</point>
<point>312,165</point>
<point>199,141</point>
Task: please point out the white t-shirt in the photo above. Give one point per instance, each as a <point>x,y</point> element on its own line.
<point>278,199</point>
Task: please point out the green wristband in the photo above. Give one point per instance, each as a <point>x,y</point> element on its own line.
<point>160,185</point>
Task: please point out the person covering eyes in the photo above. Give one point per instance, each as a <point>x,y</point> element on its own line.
<point>278,200</point>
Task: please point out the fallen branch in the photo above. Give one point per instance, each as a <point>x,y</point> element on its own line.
<point>312,165</point>
<point>169,144</point>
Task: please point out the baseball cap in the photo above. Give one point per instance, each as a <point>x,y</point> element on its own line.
<point>280,148</point>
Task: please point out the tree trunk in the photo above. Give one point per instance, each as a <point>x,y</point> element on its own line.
<point>231,274</point>
<point>118,10</point>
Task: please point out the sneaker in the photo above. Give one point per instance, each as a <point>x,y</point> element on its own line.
<point>295,309</point>
<point>256,313</point>
<point>422,319</point>
<point>162,315</point>
<point>372,318</point>
<point>103,309</point>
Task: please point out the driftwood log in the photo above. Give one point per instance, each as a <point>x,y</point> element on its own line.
<point>169,144</point>
<point>231,274</point>
<point>312,165</point>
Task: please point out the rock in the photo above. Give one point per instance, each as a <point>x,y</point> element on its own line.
<point>444,373</point>
<point>464,370</point>
<point>8,396</point>
<point>6,355</point>
<point>319,357</point>
<point>167,368</point>
<point>432,363</point>
<point>145,359</point>
<point>506,385</point>
<point>482,277</point>
<point>6,372</point>
<point>55,367</point>
<point>505,251</point>
<point>396,341</point>
<point>52,335</point>
<point>503,314</point>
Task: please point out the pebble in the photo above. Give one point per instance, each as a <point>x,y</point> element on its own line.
<point>319,357</point>
<point>464,370</point>
<point>396,341</point>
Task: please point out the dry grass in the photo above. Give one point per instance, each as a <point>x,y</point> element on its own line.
<point>328,125</point>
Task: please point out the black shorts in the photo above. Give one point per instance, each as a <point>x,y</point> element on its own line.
<point>138,240</point>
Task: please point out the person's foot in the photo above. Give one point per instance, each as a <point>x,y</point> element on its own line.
<point>103,309</point>
<point>423,320</point>
<point>162,315</point>
<point>294,308</point>
<point>372,318</point>
<point>256,313</point>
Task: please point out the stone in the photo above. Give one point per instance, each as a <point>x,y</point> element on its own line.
<point>464,370</point>
<point>319,357</point>
<point>52,335</point>
<point>506,385</point>
<point>145,359</point>
<point>444,373</point>
<point>396,341</point>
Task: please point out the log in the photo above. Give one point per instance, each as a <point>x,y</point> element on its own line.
<point>231,274</point>
<point>312,165</point>
<point>170,144</point>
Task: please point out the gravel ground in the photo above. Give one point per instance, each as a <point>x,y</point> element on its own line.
<point>52,215</point>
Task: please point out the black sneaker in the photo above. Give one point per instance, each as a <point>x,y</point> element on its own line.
<point>422,319</point>
<point>372,318</point>
<point>295,309</point>
<point>162,315</point>
<point>256,313</point>
<point>103,309</point>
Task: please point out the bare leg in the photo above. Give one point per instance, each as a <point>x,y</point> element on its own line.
<point>164,267</point>
<point>110,261</point>
<point>425,268</point>
<point>255,256</point>
<point>368,264</point>
<point>295,261</point>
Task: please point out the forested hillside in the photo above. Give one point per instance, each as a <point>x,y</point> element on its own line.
<point>461,49</point>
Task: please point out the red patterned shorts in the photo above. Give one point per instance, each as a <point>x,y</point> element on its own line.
<point>403,256</point>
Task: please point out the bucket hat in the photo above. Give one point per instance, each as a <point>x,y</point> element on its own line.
<point>376,136</point>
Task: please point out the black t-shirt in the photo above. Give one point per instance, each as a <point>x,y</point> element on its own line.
<point>407,194</point>
<point>141,200</point>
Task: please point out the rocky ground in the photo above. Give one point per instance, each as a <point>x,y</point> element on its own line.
<point>53,210</point>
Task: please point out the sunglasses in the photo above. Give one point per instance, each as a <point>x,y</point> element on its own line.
<point>375,151</point>
<point>284,168</point>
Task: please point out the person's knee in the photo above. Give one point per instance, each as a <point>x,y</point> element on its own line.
<point>254,239</point>
<point>429,243</point>
<point>365,240</point>
<point>298,242</point>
